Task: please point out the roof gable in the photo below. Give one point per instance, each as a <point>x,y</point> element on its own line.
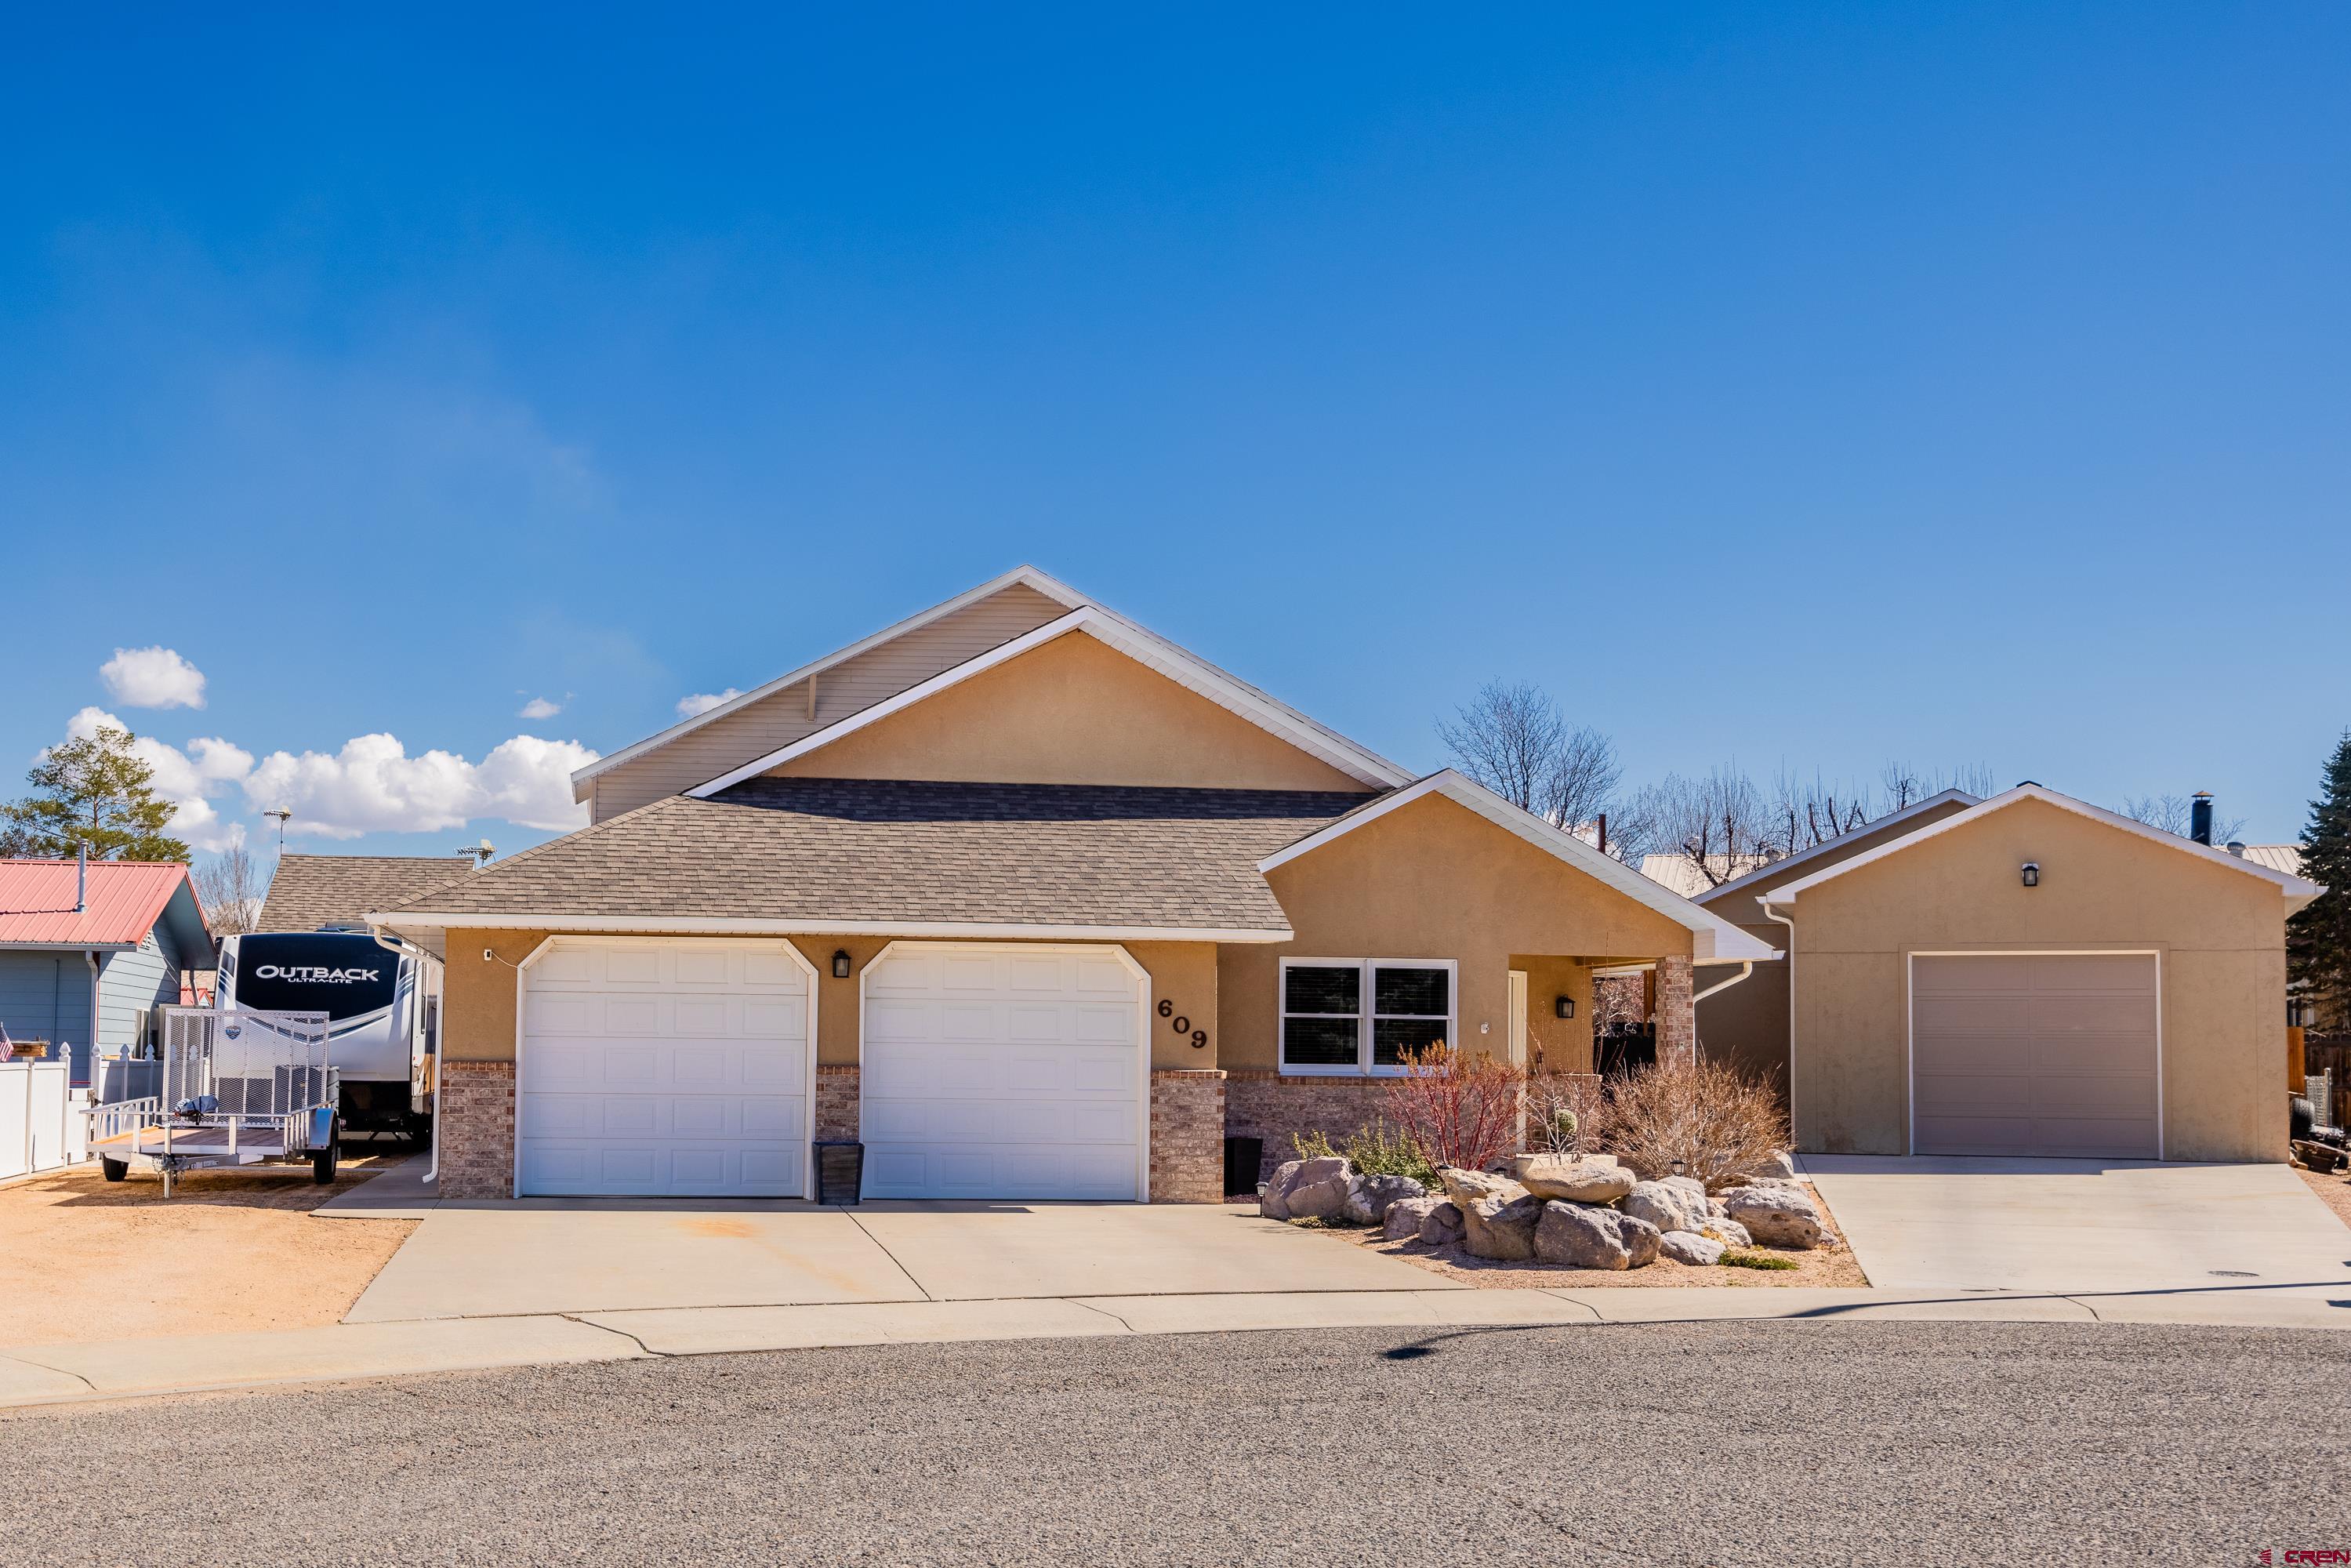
<point>1023,577</point>
<point>1714,939</point>
<point>1156,652</point>
<point>1933,806</point>
<point>2296,890</point>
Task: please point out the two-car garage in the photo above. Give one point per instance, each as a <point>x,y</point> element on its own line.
<point>686,1067</point>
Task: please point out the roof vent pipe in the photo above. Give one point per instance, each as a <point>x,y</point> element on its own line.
<point>81,877</point>
<point>2200,817</point>
<point>2237,848</point>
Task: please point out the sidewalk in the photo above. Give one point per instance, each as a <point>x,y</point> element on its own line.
<point>65,1374</point>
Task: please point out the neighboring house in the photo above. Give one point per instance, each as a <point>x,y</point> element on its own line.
<point>2026,975</point>
<point>109,951</point>
<point>308,893</point>
<point>1033,903</point>
<point>1682,874</point>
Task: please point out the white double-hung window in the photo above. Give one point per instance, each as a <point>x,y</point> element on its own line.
<point>1360,1015</point>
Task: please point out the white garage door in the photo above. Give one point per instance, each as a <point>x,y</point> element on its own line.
<point>2034,1054</point>
<point>1003,1071</point>
<point>663,1069</point>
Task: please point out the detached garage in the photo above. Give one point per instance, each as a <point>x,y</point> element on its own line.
<point>2035,976</point>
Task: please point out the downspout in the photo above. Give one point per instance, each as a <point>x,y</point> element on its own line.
<point>1746,967</point>
<point>1790,922</point>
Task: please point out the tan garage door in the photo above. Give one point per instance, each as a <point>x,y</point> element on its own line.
<point>2042,1053</point>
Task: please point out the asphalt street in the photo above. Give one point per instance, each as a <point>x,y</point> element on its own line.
<point>1740,1443</point>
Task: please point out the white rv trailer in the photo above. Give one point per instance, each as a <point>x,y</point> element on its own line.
<point>382,1006</point>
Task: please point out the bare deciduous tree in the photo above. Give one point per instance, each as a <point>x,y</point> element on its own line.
<point>231,888</point>
<point>2172,814</point>
<point>1720,824</point>
<point>1514,739</point>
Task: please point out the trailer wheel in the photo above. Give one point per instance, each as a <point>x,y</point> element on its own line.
<point>322,1164</point>
<point>113,1170</point>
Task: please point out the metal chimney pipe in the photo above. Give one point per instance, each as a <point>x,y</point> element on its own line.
<point>2200,817</point>
<point>81,877</point>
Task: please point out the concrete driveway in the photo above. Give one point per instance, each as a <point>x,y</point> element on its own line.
<point>586,1256</point>
<point>2084,1227</point>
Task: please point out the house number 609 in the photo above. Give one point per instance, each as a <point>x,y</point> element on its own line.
<point>1182,1025</point>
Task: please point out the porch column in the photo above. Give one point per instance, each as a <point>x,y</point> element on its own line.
<point>1676,1019</point>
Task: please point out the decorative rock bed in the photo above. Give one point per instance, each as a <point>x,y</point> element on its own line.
<point>1578,1213</point>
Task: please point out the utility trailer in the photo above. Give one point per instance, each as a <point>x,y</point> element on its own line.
<point>240,1087</point>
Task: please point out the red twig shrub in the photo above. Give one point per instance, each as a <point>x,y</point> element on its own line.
<point>1707,1120</point>
<point>1460,1110</point>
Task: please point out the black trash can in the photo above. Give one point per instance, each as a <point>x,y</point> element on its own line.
<point>1242,1158</point>
<point>840,1171</point>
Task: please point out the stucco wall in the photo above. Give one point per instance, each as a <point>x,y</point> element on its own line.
<point>1747,1025</point>
<point>478,1010</point>
<point>2220,934</point>
<point>1073,711</point>
<point>1434,879</point>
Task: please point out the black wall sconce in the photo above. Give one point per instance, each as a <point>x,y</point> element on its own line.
<point>1565,1007</point>
<point>2033,874</point>
<point>841,963</point>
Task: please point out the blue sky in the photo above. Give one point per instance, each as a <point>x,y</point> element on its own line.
<point>1791,387</point>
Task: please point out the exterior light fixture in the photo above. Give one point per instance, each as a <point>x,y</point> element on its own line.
<point>1565,1007</point>
<point>2033,874</point>
<point>841,963</point>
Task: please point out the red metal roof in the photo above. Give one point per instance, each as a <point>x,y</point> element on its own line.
<point>126,898</point>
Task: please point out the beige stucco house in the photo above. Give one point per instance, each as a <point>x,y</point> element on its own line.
<point>2028,975</point>
<point>1028,900</point>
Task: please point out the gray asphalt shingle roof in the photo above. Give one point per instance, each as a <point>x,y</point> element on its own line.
<point>872,849</point>
<point>310,891</point>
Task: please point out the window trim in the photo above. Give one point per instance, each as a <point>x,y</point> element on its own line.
<point>1367,1013</point>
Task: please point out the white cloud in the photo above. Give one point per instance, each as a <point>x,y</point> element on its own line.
<point>539,708</point>
<point>703,702</point>
<point>372,785</point>
<point>153,677</point>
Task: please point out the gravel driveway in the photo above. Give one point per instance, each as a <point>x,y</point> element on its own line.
<point>1721,1443</point>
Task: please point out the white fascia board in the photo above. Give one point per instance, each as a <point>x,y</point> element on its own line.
<point>1023,575</point>
<point>1713,938</point>
<point>1781,866</point>
<point>2297,891</point>
<point>664,925</point>
<point>1115,632</point>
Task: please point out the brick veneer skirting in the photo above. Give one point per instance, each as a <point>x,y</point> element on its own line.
<point>836,1104</point>
<point>1188,1137</point>
<point>1259,1104</point>
<point>476,1113</point>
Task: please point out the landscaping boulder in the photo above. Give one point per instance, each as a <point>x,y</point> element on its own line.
<point>1503,1228</point>
<point>1462,1185</point>
<point>1306,1189</point>
<point>1572,1179</point>
<point>1781,1167</point>
<point>1444,1226</point>
<point>1688,1246</point>
<point>1730,1232</point>
<point>1668,1205</point>
<point>1776,1216</point>
<point>1404,1217</point>
<point>1369,1197</point>
<point>1582,1236</point>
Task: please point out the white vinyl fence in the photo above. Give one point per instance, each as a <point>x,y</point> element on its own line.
<point>41,1123</point>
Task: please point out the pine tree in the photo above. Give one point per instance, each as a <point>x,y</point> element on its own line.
<point>93,791</point>
<point>2318,940</point>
